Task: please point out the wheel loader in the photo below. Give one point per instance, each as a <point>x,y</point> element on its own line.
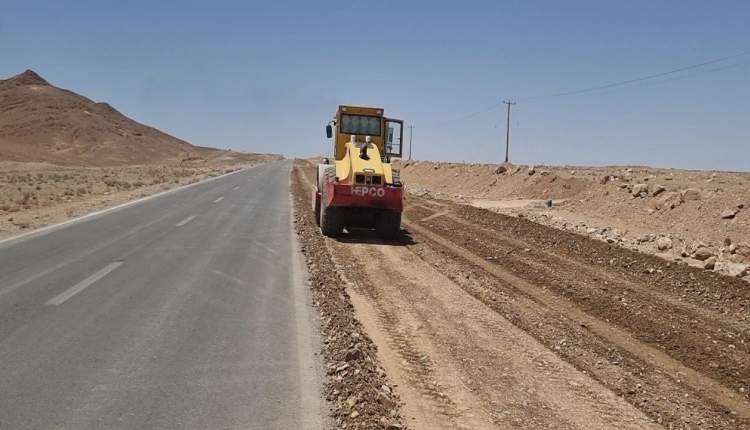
<point>358,188</point>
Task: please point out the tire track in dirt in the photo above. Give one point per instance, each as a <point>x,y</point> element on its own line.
<point>532,258</point>
<point>415,367</point>
<point>533,387</point>
<point>531,407</point>
<point>702,386</point>
<point>449,321</point>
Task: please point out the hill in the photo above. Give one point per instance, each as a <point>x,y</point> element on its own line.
<point>43,123</point>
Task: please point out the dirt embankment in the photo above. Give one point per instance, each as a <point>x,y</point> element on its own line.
<point>489,321</point>
<point>701,218</point>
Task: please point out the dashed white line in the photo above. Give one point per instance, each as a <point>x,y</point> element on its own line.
<point>34,277</point>
<point>185,221</point>
<point>236,188</point>
<point>77,288</point>
<point>219,199</point>
<point>50,228</point>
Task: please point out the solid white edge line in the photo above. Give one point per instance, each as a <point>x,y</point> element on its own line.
<point>89,216</point>
<point>185,221</point>
<point>219,199</point>
<point>77,288</point>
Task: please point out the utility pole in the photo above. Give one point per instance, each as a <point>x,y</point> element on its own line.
<point>411,132</point>
<point>507,129</point>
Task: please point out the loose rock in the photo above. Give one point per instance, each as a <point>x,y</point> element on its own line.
<point>729,214</point>
<point>690,194</point>
<point>702,254</point>
<point>663,243</point>
<point>640,190</point>
<point>710,263</point>
<point>657,189</point>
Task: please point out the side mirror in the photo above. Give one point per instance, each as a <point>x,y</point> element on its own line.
<point>329,131</point>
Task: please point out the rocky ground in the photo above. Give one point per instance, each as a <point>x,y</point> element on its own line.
<point>36,194</point>
<point>483,320</point>
<point>693,217</point>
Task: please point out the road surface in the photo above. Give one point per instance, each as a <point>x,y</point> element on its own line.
<point>184,311</point>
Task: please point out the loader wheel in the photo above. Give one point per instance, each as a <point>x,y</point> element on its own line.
<point>388,225</point>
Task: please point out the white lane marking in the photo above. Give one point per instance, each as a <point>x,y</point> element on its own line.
<point>77,288</point>
<point>185,221</point>
<point>50,228</point>
<point>219,199</point>
<point>236,188</point>
<point>34,277</point>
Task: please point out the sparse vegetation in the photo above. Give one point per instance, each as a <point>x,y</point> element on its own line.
<point>43,195</point>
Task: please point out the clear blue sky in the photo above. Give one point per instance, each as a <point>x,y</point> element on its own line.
<point>266,76</point>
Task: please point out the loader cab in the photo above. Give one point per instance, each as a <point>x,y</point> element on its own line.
<point>385,133</point>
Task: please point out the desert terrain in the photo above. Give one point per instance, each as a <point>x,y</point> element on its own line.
<point>700,218</point>
<point>515,296</point>
<point>482,319</point>
<point>63,155</point>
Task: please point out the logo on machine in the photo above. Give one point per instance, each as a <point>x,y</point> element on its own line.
<point>368,191</point>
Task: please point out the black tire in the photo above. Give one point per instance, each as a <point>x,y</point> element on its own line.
<point>317,209</point>
<point>388,225</point>
<point>331,221</point>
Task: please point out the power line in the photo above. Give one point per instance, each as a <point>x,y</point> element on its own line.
<point>638,79</point>
<point>614,84</point>
<point>698,73</point>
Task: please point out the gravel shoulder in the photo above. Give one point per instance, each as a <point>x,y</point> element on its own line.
<point>359,393</point>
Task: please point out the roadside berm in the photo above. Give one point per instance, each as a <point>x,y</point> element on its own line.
<point>699,218</point>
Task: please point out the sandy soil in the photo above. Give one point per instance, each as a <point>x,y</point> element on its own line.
<point>64,155</point>
<point>668,212</point>
<point>488,321</point>
<point>33,195</point>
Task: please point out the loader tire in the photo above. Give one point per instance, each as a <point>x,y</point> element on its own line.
<point>388,225</point>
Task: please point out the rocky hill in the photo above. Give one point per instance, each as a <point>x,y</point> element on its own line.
<point>43,123</point>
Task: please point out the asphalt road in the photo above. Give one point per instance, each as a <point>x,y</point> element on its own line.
<point>185,311</point>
